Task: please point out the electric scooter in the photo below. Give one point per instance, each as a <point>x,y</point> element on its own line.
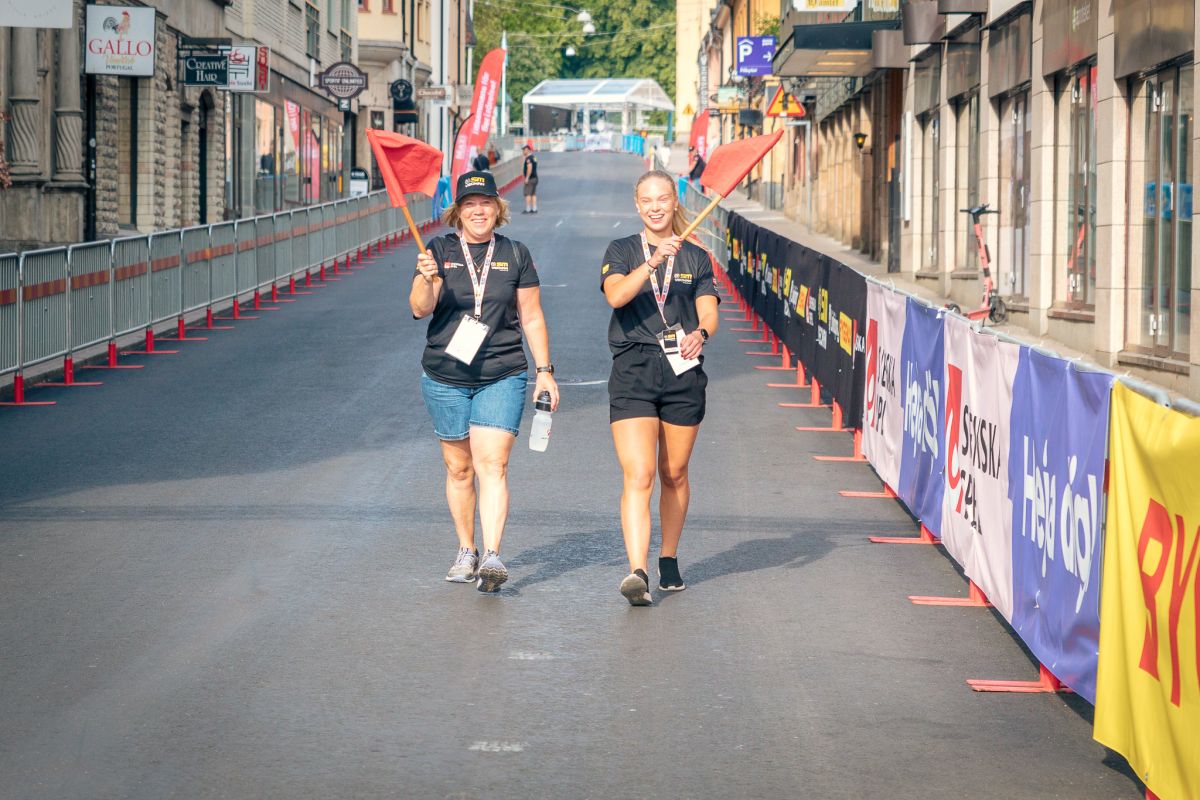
<point>991,307</point>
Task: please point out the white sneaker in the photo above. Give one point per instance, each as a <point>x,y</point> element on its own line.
<point>465,565</point>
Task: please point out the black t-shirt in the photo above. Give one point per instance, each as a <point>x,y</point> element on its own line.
<point>502,353</point>
<point>480,162</point>
<point>638,321</point>
<point>697,169</point>
<point>530,168</point>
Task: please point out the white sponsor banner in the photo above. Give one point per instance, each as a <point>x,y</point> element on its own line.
<point>976,509</point>
<point>120,41</point>
<point>42,14</point>
<point>883,405</point>
<point>825,5</point>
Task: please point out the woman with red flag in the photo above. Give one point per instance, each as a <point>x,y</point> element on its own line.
<point>482,291</point>
<point>664,302</point>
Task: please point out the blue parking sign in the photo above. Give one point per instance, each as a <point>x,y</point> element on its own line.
<point>754,54</point>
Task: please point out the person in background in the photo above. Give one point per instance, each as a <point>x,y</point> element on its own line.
<point>530,171</point>
<point>480,162</point>
<point>482,294</point>
<point>697,166</point>
<point>664,303</point>
<point>492,154</point>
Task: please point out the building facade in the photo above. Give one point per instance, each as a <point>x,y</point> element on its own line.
<point>99,155</point>
<point>1072,119</point>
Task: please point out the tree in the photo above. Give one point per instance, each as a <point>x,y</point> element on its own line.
<point>631,41</point>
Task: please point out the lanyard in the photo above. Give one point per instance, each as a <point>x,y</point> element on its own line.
<point>478,283</point>
<point>660,297</point>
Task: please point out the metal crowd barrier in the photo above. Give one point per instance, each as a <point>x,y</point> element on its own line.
<point>58,301</point>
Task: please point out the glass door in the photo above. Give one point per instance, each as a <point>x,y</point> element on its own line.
<point>1160,307</point>
<point>1081,194</point>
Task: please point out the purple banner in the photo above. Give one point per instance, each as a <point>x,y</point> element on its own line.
<point>923,458</point>
<point>1057,443</point>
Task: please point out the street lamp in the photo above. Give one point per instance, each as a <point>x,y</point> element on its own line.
<point>860,139</point>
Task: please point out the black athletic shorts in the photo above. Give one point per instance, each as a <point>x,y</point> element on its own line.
<point>642,384</point>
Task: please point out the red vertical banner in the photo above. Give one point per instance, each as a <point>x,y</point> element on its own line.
<point>699,136</point>
<point>478,127</point>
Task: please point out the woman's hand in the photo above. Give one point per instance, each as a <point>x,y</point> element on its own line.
<point>545,383</point>
<point>666,248</point>
<point>427,266</point>
<point>691,345</point>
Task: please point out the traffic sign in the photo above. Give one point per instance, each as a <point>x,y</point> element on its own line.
<point>784,104</point>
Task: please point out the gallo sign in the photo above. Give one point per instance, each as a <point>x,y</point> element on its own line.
<point>120,41</point>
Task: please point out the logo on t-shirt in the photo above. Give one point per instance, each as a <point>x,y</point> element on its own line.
<point>604,269</point>
<point>500,265</point>
<point>684,277</point>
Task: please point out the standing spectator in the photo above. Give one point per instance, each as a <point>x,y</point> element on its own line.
<point>697,166</point>
<point>529,170</point>
<point>480,162</point>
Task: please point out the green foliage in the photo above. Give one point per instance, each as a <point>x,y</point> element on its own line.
<point>767,25</point>
<point>631,41</point>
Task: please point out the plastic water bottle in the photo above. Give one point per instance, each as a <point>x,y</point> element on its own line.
<point>539,433</point>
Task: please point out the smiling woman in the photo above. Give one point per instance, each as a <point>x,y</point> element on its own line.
<point>664,306</point>
<point>482,294</point>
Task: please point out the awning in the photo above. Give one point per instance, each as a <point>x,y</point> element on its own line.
<point>832,50</point>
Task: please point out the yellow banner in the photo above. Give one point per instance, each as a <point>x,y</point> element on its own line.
<point>846,333</point>
<point>1148,684</point>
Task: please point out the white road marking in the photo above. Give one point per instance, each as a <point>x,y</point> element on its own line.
<point>560,222</point>
<point>498,747</point>
<point>617,223</point>
<point>523,656</point>
<point>554,286</point>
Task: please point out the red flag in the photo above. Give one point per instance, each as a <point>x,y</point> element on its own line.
<point>733,161</point>
<point>407,164</point>
<point>483,107</point>
<point>461,155</point>
<point>699,136</point>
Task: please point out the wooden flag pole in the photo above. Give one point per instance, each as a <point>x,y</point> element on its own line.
<point>700,217</point>
<point>412,227</point>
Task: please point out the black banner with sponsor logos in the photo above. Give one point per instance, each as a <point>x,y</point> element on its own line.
<point>815,304</point>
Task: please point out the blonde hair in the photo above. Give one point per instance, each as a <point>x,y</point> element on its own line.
<point>452,216</point>
<point>679,219</point>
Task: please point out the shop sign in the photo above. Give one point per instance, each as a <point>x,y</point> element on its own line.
<point>249,68</point>
<point>43,14</point>
<point>119,41</point>
<point>343,80</point>
<point>825,6</point>
<point>204,68</point>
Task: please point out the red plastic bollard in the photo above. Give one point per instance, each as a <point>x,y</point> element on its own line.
<point>149,340</point>
<point>257,300</point>
<point>321,272</point>
<point>274,293</point>
<point>307,278</point>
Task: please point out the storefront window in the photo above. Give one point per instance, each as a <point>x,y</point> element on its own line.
<point>1160,221</point>
<point>1076,287</point>
<point>1015,137</point>
<point>930,206</point>
<point>266,158</point>
<point>291,154</point>
<point>966,191</point>
<point>312,157</point>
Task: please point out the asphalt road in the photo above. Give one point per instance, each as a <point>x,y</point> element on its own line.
<point>221,577</point>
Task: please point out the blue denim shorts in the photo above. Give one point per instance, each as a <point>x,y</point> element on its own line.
<point>455,409</point>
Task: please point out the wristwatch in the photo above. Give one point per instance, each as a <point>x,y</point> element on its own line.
<point>704,335</point>
<point>549,369</point>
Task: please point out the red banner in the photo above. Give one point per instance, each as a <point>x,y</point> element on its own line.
<point>699,137</point>
<point>478,128</point>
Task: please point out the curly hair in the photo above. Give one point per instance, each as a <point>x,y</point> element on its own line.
<point>452,216</point>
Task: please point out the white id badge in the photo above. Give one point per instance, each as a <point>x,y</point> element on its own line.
<point>670,339</point>
<point>467,339</point>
